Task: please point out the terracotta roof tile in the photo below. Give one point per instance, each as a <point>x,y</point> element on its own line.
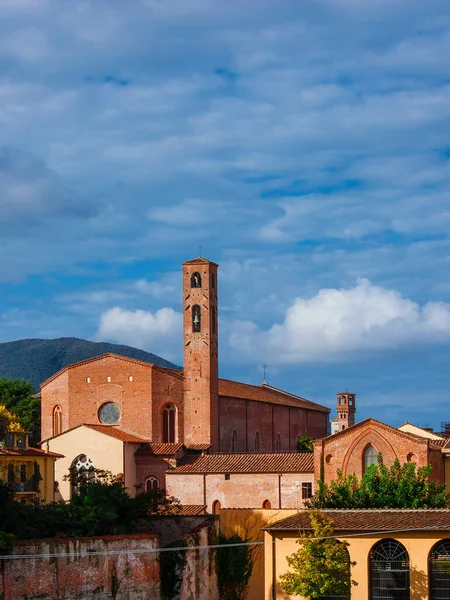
<point>165,448</point>
<point>199,261</point>
<point>265,393</point>
<point>292,462</point>
<point>198,446</point>
<point>111,430</point>
<point>372,520</point>
<point>188,510</point>
<point>29,452</point>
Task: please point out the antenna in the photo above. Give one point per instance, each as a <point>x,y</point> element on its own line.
<point>265,367</point>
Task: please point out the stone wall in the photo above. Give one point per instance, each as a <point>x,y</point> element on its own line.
<point>79,573</point>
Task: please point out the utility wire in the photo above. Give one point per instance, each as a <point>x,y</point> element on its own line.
<point>445,526</point>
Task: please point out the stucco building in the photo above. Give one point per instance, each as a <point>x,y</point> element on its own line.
<point>152,418</point>
<point>402,554</point>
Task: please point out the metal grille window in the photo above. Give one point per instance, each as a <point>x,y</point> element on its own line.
<point>439,571</point>
<point>389,571</point>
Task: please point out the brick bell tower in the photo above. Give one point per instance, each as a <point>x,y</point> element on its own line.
<point>346,409</point>
<point>201,364</point>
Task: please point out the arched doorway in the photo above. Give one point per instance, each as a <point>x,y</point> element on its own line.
<point>266,505</point>
<point>389,571</point>
<point>439,571</point>
<point>216,507</point>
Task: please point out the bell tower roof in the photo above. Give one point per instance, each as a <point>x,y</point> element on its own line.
<point>200,261</point>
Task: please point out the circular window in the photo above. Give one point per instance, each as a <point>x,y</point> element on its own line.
<point>109,413</point>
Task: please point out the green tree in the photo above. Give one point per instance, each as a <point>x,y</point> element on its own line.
<point>304,444</point>
<point>398,486</point>
<point>234,565</point>
<point>321,566</point>
<point>16,396</point>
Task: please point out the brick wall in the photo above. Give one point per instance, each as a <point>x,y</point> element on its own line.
<point>345,450</point>
<point>85,576</point>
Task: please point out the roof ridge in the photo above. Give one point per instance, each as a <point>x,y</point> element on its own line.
<point>93,359</point>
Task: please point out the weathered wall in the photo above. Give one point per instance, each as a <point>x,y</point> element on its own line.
<point>248,524</point>
<point>126,575</point>
<point>199,574</point>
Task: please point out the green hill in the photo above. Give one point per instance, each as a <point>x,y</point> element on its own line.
<point>35,360</point>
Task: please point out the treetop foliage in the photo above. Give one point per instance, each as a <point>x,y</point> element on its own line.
<point>398,486</point>
<point>304,444</point>
<point>321,566</point>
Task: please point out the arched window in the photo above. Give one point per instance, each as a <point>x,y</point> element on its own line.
<point>234,441</point>
<point>169,424</point>
<point>370,457</point>
<point>196,319</point>
<point>278,443</point>
<point>196,280</point>
<point>151,484</point>
<point>266,504</point>
<point>57,420</point>
<point>257,442</point>
<point>439,570</point>
<point>389,570</point>
<point>216,507</point>
<point>82,471</point>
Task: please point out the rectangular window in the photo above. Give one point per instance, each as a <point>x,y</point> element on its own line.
<point>20,440</point>
<point>227,477</point>
<point>307,490</point>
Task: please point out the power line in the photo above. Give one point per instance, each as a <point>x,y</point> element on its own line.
<point>446,526</point>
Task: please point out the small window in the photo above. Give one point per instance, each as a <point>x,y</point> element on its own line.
<point>227,477</point>
<point>9,441</point>
<point>196,319</point>
<point>306,490</point>
<point>257,442</point>
<point>196,280</point>
<point>213,280</point>
<point>266,505</point>
<point>21,440</point>
<point>57,420</point>
<point>278,444</point>
<point>234,441</point>
<point>151,484</point>
<point>108,379</point>
<point>370,457</point>
<point>88,380</point>
<point>130,378</point>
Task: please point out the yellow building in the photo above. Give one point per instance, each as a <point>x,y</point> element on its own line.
<point>399,554</point>
<point>31,471</point>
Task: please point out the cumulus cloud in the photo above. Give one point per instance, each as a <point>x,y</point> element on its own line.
<point>336,324</point>
<point>158,332</point>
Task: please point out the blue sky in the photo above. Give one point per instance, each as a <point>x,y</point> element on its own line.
<point>304,145</point>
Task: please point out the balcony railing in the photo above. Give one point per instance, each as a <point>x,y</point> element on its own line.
<point>26,486</point>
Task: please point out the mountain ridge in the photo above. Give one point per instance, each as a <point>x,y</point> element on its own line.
<point>37,359</point>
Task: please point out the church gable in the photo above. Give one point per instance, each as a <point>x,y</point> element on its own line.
<point>351,450</point>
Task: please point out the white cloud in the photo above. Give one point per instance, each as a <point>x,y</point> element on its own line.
<point>336,324</point>
<point>158,332</point>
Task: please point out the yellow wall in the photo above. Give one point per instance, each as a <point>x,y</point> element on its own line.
<point>46,468</point>
<point>418,546</point>
<point>105,452</point>
<point>248,524</point>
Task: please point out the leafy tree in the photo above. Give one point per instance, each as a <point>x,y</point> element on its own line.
<point>100,506</point>
<point>234,567</point>
<point>321,566</point>
<point>8,422</point>
<point>398,486</point>
<point>304,444</point>
<point>16,396</point>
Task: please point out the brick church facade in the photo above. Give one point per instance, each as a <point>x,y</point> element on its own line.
<point>169,417</point>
